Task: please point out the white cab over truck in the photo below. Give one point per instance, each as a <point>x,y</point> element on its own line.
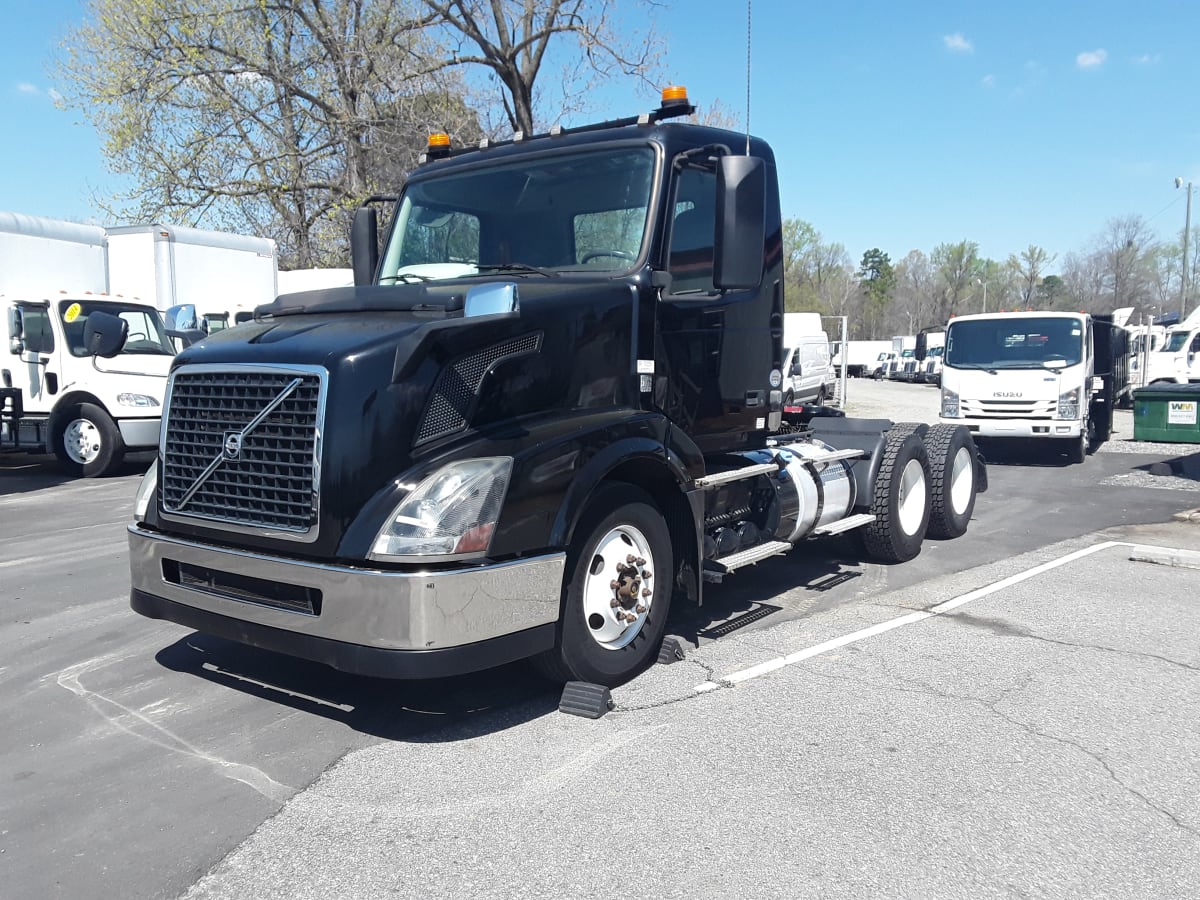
<point>58,394</point>
<point>861,358</point>
<point>1053,376</point>
<point>223,275</point>
<point>1177,359</point>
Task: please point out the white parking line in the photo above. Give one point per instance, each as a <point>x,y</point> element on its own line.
<point>780,662</point>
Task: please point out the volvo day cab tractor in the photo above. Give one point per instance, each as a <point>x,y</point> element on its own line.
<point>60,393</point>
<point>1054,377</point>
<point>551,408</point>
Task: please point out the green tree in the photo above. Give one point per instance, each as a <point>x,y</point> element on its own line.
<point>1029,267</point>
<point>878,279</point>
<point>957,266</point>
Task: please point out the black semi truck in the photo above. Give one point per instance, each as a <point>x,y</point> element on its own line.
<point>550,408</point>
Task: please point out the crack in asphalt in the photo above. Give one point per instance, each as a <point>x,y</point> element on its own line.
<point>1030,729</point>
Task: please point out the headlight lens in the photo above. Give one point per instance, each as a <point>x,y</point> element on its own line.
<point>454,511</point>
<point>136,400</point>
<point>949,404</point>
<point>1068,404</point>
<point>145,493</point>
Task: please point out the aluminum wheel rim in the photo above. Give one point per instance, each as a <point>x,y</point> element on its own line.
<point>912,497</point>
<point>962,480</point>
<point>82,441</point>
<point>618,592</point>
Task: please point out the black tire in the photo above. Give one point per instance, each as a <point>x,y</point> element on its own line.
<point>901,500</point>
<point>1078,448</point>
<point>952,479</point>
<point>87,441</point>
<point>790,399</point>
<point>579,654</point>
<point>822,396</point>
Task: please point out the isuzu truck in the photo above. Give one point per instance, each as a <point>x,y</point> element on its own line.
<point>550,408</point>
<point>1048,376</point>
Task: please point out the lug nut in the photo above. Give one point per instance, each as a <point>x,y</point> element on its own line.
<point>647,592</point>
<point>640,608</point>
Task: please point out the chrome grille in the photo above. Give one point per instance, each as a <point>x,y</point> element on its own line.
<point>220,463</point>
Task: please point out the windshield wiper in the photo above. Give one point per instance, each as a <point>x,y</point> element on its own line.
<point>965,365</point>
<point>518,267</point>
<point>406,277</point>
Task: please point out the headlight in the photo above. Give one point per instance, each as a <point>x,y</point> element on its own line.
<point>949,404</point>
<point>145,493</point>
<point>1068,405</point>
<point>454,511</point>
<point>136,400</point>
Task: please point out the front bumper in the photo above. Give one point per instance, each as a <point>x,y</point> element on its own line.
<point>1018,428</point>
<point>140,433</point>
<point>403,624</point>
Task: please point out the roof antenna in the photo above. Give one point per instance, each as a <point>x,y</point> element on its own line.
<point>748,11</point>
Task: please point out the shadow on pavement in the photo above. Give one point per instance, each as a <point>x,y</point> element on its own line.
<point>22,473</point>
<point>476,704</point>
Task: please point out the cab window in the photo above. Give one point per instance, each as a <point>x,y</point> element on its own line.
<point>39,338</point>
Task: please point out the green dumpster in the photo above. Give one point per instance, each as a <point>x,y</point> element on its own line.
<point>1167,412</point>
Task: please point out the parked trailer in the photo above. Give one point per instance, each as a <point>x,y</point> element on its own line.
<point>552,407</point>
<point>223,275</point>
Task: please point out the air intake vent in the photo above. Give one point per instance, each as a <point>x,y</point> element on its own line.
<point>458,386</point>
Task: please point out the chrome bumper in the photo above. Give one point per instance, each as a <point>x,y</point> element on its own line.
<point>373,608</point>
<point>139,433</point>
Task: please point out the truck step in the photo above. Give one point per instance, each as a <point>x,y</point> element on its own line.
<point>716,569</point>
<point>711,481</point>
<point>845,524</point>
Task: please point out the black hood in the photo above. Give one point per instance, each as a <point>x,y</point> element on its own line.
<point>410,381</point>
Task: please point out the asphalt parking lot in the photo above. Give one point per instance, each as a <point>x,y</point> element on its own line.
<point>1009,714</point>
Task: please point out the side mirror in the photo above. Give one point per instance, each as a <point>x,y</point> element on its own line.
<point>16,331</point>
<point>364,244</point>
<point>797,369</point>
<point>922,349</point>
<point>183,324</point>
<point>741,222</point>
<point>104,334</point>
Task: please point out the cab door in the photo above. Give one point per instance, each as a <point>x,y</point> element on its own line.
<point>35,370</point>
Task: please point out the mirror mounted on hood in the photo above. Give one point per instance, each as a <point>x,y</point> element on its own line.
<point>184,325</point>
<point>104,334</point>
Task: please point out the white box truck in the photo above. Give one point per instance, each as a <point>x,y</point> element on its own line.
<point>223,275</point>
<point>1052,376</point>
<point>861,358</point>
<point>1177,359</point>
<point>59,395</point>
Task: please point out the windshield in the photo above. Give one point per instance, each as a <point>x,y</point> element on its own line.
<point>146,335</point>
<point>571,212</point>
<point>1177,341</point>
<point>1017,343</point>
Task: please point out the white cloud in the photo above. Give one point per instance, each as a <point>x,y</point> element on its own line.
<point>54,95</point>
<point>989,81</point>
<point>1091,59</point>
<point>26,88</point>
<point>957,43</point>
<point>1147,59</point>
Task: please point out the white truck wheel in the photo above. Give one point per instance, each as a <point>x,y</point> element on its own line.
<point>952,479</point>
<point>901,501</point>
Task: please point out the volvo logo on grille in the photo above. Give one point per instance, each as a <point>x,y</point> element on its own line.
<point>233,444</point>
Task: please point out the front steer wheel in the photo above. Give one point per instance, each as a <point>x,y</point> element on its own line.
<point>901,502</point>
<point>617,592</point>
<point>87,441</point>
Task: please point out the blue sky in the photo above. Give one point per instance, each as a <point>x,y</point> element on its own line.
<point>895,125</point>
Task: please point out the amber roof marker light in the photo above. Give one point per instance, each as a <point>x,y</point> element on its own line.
<point>674,102</point>
<point>439,145</point>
